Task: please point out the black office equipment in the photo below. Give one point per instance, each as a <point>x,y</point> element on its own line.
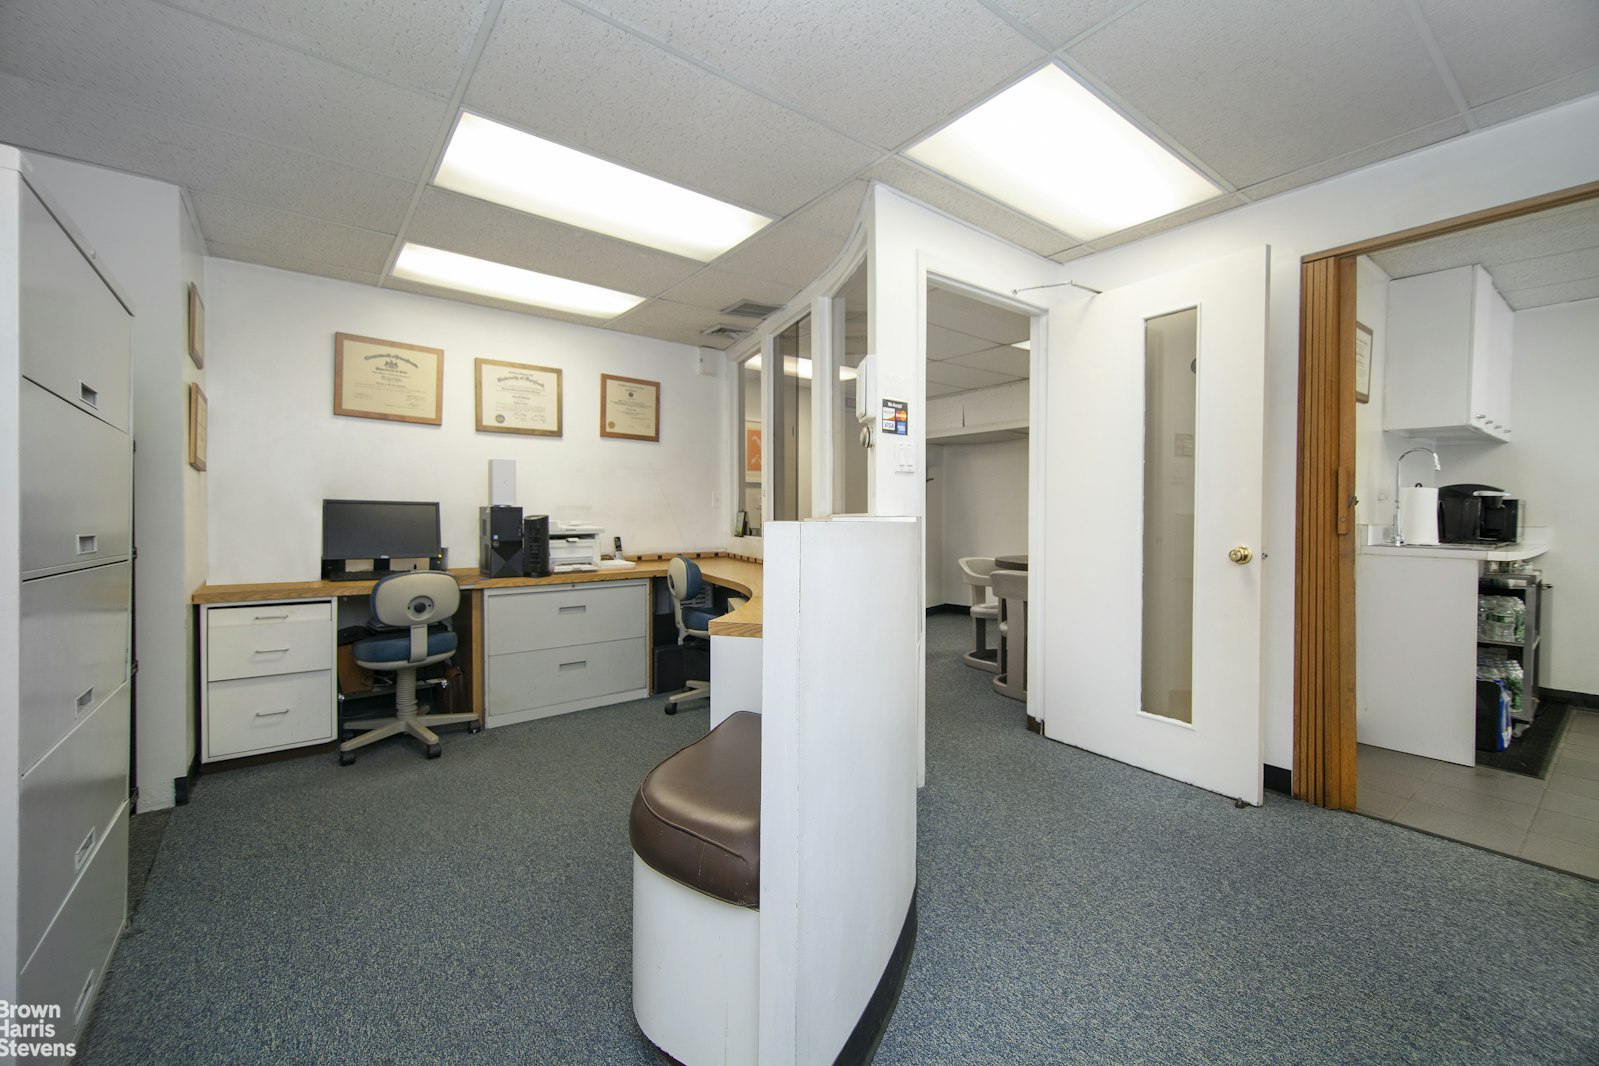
<point>536,546</point>
<point>500,541</point>
<point>380,531</point>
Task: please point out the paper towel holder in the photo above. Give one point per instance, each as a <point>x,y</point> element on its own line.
<point>1398,539</point>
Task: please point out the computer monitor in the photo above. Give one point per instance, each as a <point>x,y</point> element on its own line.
<point>379,530</point>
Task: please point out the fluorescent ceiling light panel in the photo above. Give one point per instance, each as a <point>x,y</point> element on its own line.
<point>1049,147</point>
<point>434,266</point>
<point>518,170</point>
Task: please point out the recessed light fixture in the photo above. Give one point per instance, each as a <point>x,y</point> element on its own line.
<point>434,266</point>
<point>518,170</point>
<point>1050,148</point>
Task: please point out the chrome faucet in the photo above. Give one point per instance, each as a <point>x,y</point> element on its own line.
<point>1398,538</point>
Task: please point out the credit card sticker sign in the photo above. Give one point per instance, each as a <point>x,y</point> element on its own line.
<point>896,418</point>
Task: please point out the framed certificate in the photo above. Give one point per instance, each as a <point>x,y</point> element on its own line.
<point>197,427</point>
<point>196,326</point>
<point>518,398</point>
<point>388,380</point>
<point>1363,339</point>
<point>630,408</point>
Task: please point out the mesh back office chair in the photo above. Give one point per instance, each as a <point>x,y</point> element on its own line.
<point>414,605</point>
<point>975,571</point>
<point>694,606</point>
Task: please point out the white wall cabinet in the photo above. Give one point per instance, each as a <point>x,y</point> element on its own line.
<point>65,508</point>
<point>558,648</point>
<point>1449,357</point>
<point>267,681</point>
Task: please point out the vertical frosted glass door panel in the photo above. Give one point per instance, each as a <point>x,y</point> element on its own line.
<point>1170,394</point>
<point>790,446</point>
<point>849,476</point>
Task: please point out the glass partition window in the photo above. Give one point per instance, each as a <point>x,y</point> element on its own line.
<point>849,465</point>
<point>1171,375</point>
<point>789,450</point>
<point>749,406</point>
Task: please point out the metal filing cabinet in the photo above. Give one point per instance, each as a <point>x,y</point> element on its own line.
<point>66,521</point>
<point>267,680</point>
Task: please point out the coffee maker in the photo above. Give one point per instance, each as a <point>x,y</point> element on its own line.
<point>1477,514</point>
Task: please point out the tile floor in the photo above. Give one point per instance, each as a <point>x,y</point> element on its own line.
<point>1554,821</point>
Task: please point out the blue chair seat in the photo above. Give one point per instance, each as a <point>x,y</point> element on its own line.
<point>696,619</point>
<point>396,648</point>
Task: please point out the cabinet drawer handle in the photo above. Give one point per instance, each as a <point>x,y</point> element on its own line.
<point>85,698</point>
<point>81,856</point>
<point>272,617</point>
<point>576,608</point>
<point>272,651</point>
<point>88,543</point>
<point>271,714</point>
<point>88,395</point>
<point>577,664</point>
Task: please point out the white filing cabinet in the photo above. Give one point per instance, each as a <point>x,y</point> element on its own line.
<point>267,681</point>
<point>551,649</point>
<point>65,607</point>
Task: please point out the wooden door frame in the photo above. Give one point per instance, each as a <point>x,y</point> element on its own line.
<point>1324,518</point>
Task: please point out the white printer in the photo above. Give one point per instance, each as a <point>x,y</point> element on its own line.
<point>574,547</point>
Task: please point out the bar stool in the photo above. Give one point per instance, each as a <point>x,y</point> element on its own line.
<point>975,571</point>
<point>1010,587</point>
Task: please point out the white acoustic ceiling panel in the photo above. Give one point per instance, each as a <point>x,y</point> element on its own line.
<point>481,229</point>
<point>1057,24</point>
<point>1286,83</point>
<point>675,322</point>
<point>1546,295</point>
<point>949,372</point>
<point>1494,50</point>
<point>1360,157</point>
<point>605,91</point>
<point>836,213</point>
<point>785,252</point>
<point>1571,87</point>
<point>975,318</point>
<point>944,343</point>
<point>937,191</point>
<point>1012,362</point>
<point>170,62</point>
<point>714,289</point>
<point>917,63</point>
<point>278,233</point>
<point>421,45</point>
<point>279,261</point>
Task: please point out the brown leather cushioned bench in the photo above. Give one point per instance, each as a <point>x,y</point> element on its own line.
<point>697,816</point>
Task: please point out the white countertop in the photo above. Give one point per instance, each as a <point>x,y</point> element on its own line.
<point>1534,542</point>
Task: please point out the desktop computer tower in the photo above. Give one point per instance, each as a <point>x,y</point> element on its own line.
<point>500,541</point>
<point>536,546</point>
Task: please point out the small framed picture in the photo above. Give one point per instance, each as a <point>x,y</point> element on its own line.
<point>741,524</point>
<point>196,326</point>
<point>630,408</point>
<point>197,416</point>
<point>1363,342</point>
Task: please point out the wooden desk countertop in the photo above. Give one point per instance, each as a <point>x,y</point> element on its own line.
<point>739,574</point>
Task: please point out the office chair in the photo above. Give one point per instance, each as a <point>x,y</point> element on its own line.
<point>1010,586</point>
<point>694,606</point>
<point>413,605</point>
<point>975,571</point>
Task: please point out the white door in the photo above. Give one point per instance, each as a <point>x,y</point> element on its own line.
<point>1155,472</point>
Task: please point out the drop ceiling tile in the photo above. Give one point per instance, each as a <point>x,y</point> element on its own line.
<point>220,250</point>
<point>1571,87</point>
<point>835,213</point>
<point>714,289</point>
<point>570,76</point>
<point>1564,292</point>
<point>934,390</point>
<point>1495,49</point>
<point>80,125</point>
<point>916,63</point>
<point>785,253</point>
<point>669,321</point>
<point>1214,206</point>
<point>971,207</point>
<point>955,311</point>
<point>1573,228</point>
<point>1012,362</point>
<point>174,63</point>
<point>478,228</point>
<point>1261,88</point>
<point>421,45</point>
<point>439,292</point>
<point>964,377</point>
<point>943,343</point>
<point>1059,23</point>
<point>1365,156</point>
<point>1077,252</point>
<point>278,233</point>
<point>1581,264</point>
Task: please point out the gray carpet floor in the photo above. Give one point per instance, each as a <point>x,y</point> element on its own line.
<point>475,909</point>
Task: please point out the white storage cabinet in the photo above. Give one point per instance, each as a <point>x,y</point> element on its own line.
<point>1449,357</point>
<point>558,648</point>
<point>65,607</point>
<point>267,677</point>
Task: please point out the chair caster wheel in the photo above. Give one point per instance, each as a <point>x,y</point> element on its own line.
<point>434,751</point>
<point>346,758</point>
<point>671,708</point>
<point>474,727</point>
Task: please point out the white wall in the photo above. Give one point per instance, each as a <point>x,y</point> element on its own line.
<point>143,234</point>
<point>1550,466</point>
<point>277,449</point>
<point>984,491</point>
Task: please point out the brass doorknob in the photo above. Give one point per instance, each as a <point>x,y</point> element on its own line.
<point>1241,555</point>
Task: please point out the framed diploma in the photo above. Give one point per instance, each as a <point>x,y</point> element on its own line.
<point>630,408</point>
<point>518,398</point>
<point>197,414</point>
<point>196,326</point>
<point>1363,339</point>
<point>388,380</point>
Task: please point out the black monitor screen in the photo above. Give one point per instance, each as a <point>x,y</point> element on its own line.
<point>379,529</point>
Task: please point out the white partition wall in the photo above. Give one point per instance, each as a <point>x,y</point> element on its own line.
<point>838,773</point>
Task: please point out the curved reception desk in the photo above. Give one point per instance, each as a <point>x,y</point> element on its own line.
<point>775,858</point>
